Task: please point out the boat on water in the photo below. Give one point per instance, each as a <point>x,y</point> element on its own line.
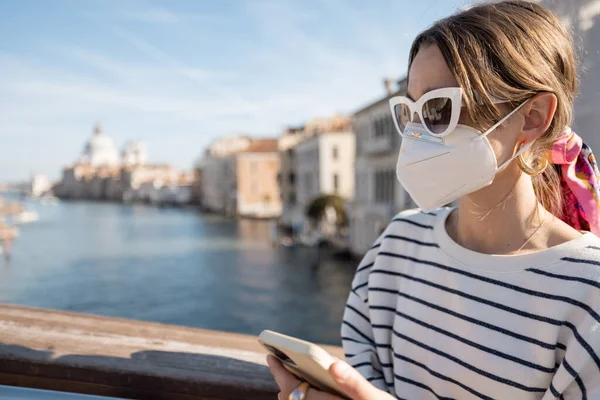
<point>26,217</point>
<point>302,240</point>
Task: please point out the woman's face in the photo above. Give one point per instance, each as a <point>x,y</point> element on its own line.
<point>429,71</point>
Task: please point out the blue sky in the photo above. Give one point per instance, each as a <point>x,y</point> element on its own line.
<point>178,74</point>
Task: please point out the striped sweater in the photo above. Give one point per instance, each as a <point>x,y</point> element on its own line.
<point>429,319</point>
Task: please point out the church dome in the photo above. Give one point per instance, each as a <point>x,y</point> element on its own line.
<point>100,150</point>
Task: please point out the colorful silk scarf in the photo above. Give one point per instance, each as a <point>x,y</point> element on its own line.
<point>580,182</point>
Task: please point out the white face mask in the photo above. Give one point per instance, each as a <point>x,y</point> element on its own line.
<point>438,172</point>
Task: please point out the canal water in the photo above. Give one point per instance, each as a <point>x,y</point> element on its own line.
<point>174,266</point>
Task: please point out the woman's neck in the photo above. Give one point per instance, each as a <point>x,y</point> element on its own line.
<point>504,218</point>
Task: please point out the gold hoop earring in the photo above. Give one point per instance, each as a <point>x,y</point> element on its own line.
<point>528,169</point>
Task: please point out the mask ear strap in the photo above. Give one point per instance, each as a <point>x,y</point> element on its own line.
<point>522,150</point>
<point>497,124</point>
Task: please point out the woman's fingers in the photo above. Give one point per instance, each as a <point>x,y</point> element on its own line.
<point>354,384</point>
<point>287,382</point>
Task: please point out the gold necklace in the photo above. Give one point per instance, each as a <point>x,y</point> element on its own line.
<point>455,229</point>
<point>534,232</point>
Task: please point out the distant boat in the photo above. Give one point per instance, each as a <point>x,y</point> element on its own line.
<point>310,239</point>
<point>49,200</point>
<point>26,217</point>
<point>287,241</point>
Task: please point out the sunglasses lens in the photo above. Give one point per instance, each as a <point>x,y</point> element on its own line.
<point>437,114</point>
<point>402,115</point>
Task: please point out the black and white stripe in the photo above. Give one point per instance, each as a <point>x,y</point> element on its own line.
<point>422,324</point>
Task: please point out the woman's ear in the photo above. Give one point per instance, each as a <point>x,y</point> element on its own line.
<point>538,113</point>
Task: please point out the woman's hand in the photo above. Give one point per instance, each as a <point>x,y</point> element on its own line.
<point>348,379</point>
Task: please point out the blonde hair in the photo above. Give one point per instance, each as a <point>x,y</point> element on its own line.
<point>511,50</point>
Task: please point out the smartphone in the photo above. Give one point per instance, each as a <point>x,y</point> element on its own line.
<point>307,361</point>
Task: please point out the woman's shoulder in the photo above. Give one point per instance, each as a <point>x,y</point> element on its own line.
<point>408,228</point>
<point>576,266</point>
<point>415,218</point>
<point>582,254</point>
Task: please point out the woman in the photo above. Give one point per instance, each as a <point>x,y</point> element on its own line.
<point>499,297</point>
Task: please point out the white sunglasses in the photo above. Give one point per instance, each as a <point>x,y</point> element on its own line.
<point>438,110</point>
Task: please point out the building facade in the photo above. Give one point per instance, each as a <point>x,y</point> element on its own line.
<point>582,18</point>
<point>102,173</point>
<point>142,182</point>
<point>196,190</point>
<point>100,150</point>
<point>218,172</point>
<point>134,153</point>
<point>325,165</point>
<point>213,191</point>
<point>74,182</point>
<point>291,213</point>
<point>379,195</point>
<point>257,190</point>
<point>239,177</point>
<point>40,185</point>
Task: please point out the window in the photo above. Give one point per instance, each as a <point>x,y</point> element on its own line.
<point>335,152</point>
<point>308,183</point>
<point>336,183</point>
<point>292,198</point>
<point>381,127</point>
<point>385,182</point>
<point>253,166</point>
<point>377,128</point>
<point>384,127</point>
<point>292,178</point>
<point>390,128</point>
<point>254,187</point>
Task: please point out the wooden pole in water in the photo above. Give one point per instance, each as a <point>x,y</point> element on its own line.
<point>7,235</point>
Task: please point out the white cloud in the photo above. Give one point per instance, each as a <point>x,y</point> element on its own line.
<point>295,67</point>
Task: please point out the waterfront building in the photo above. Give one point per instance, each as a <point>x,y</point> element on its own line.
<point>325,165</point>
<point>229,146</point>
<point>101,173</point>
<point>142,182</point>
<point>114,188</point>
<point>87,178</point>
<point>255,190</point>
<point>213,191</point>
<point>100,150</point>
<point>196,188</point>
<point>216,165</point>
<point>334,123</point>
<point>148,192</point>
<point>40,185</point>
<point>98,184</point>
<point>379,195</point>
<point>74,182</point>
<point>134,153</point>
<point>291,213</point>
<point>176,192</point>
<point>582,18</point>
<point>239,177</point>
